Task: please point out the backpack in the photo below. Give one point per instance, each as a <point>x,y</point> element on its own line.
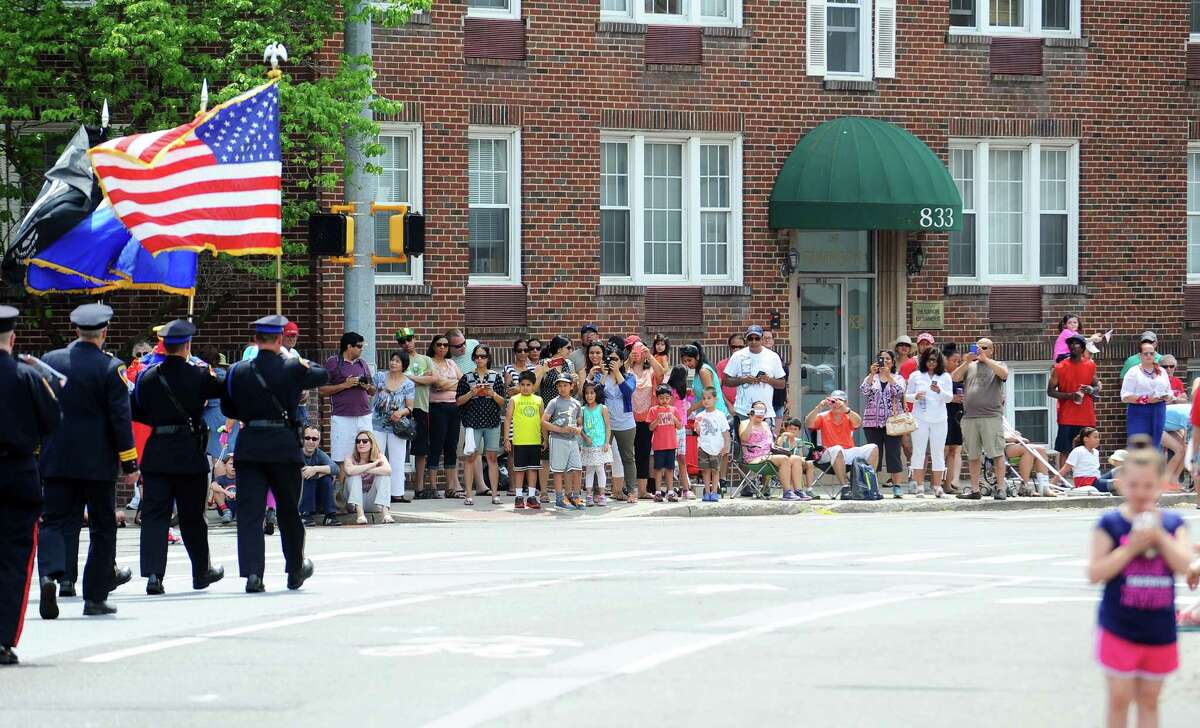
<point>864,484</point>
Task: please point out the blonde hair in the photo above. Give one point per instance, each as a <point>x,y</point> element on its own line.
<point>1145,458</point>
<point>375,451</point>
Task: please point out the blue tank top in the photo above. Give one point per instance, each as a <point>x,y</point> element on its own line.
<point>698,388</point>
<point>1139,603</point>
<point>593,424</point>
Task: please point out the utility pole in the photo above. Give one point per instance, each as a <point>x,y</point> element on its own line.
<point>359,285</point>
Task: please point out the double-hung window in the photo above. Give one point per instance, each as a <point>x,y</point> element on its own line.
<point>1194,21</point>
<point>674,12</point>
<point>509,9</point>
<point>1027,406</point>
<point>1193,214</point>
<point>1016,17</point>
<point>494,236</point>
<point>851,39</point>
<point>1020,211</point>
<point>670,209</point>
<point>400,183</point>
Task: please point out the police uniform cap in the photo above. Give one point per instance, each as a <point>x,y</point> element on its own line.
<point>177,332</point>
<point>270,324</point>
<point>91,316</point>
<point>8,318</point>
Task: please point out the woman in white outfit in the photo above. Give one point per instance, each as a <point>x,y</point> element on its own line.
<point>367,472</point>
<point>393,401</point>
<point>929,389</point>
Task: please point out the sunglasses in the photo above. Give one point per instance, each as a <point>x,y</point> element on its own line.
<point>362,442</point>
<point>442,343</point>
<point>523,351</point>
<point>459,345</point>
<point>1148,353</point>
<point>1169,366</point>
<point>754,337</point>
<point>316,439</point>
<point>479,357</point>
<point>406,339</point>
<point>985,348</point>
<point>735,347</point>
<point>535,348</point>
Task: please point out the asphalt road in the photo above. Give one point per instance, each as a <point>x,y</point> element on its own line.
<point>940,619</point>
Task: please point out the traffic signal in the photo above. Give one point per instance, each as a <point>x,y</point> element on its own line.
<point>330,234</point>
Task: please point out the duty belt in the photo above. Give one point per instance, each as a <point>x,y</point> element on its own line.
<point>268,424</point>
<point>171,429</point>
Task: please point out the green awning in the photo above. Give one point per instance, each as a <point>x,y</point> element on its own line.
<point>856,173</point>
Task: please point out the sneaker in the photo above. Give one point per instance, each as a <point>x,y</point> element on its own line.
<point>790,495</point>
<point>671,497</point>
<point>602,500</point>
<point>970,495</point>
<point>802,496</point>
<point>897,491</point>
<point>577,502</point>
<point>227,516</point>
<point>920,491</point>
<point>533,504</point>
<point>331,519</point>
<point>811,495</point>
<point>1001,492</point>
<point>519,503</point>
<point>309,522</point>
<point>938,492</point>
<point>591,502</point>
<point>658,497</point>
<point>560,501</point>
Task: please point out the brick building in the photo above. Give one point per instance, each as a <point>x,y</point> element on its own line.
<point>966,167</point>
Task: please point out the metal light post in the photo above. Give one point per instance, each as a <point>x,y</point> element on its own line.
<point>359,285</point>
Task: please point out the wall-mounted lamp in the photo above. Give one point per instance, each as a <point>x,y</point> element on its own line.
<point>791,262</point>
<point>914,259</point>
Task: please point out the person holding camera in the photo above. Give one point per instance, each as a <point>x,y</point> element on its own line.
<point>350,389</point>
<point>983,381</point>
<point>756,371</point>
<point>481,403</point>
<point>836,426</point>
<point>619,386</point>
<point>883,396</point>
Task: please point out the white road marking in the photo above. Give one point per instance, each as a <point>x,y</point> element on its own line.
<point>1073,563</point>
<point>606,556</point>
<point>818,556</point>
<point>1046,600</point>
<point>142,649</point>
<point>1014,558</point>
<point>418,557</point>
<point>709,556</point>
<point>533,554</point>
<point>648,651</point>
<point>319,559</point>
<point>906,558</point>
<point>709,589</point>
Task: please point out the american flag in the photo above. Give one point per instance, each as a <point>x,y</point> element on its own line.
<point>212,184</point>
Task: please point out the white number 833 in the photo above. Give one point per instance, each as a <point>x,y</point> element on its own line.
<point>938,217</point>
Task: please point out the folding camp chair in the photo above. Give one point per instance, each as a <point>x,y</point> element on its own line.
<point>757,484</point>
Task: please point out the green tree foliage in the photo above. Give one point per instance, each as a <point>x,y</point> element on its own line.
<point>63,58</point>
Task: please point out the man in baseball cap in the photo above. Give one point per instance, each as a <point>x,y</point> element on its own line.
<point>756,371</point>
<point>1148,337</point>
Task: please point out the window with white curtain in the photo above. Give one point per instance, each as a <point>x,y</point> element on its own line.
<point>400,183</point>
<point>848,31</point>
<point>1027,406</point>
<point>670,209</point>
<point>1193,214</point>
<point>494,205</point>
<point>674,12</point>
<point>1016,17</point>
<point>1021,209</point>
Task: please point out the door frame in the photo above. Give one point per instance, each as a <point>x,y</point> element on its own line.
<point>842,280</point>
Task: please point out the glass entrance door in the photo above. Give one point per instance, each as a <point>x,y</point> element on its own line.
<point>837,337</point>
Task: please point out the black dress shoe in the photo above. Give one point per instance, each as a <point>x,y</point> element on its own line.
<point>154,585</point>
<point>331,520</point>
<point>212,576</point>
<point>254,584</point>
<point>97,609</point>
<point>48,607</point>
<point>295,581</point>
<point>121,575</point>
<point>7,656</point>
<point>309,522</point>
<point>66,588</point>
<point>269,522</point>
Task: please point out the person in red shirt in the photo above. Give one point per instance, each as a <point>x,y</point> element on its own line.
<point>1073,382</point>
<point>1178,390</point>
<point>836,426</point>
<point>664,441</point>
<point>907,366</point>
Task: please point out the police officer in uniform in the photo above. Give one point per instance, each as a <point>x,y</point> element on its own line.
<point>30,413</point>
<point>79,462</point>
<point>264,394</point>
<point>169,398</point>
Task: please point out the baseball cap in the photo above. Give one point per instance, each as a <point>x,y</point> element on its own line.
<point>754,331</point>
<point>926,336</point>
<point>404,333</point>
<point>588,327</point>
<point>1149,336</point>
<point>903,339</point>
<point>1118,457</point>
<point>1077,337</point>
<point>291,329</point>
<point>839,394</point>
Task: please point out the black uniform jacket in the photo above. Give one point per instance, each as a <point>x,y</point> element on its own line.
<point>30,409</point>
<point>179,441</point>
<point>244,399</point>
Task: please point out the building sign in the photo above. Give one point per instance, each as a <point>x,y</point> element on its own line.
<point>928,315</point>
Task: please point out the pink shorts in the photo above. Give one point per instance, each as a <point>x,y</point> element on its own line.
<point>1123,658</point>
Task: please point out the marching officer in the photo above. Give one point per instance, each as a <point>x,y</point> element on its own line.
<point>169,398</point>
<point>79,463</point>
<point>264,393</point>
<point>31,413</point>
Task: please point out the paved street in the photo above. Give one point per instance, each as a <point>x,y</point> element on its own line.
<point>839,620</point>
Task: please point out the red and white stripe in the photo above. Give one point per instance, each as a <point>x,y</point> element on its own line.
<point>182,199</point>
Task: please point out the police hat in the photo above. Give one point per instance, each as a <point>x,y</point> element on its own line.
<point>270,324</point>
<point>177,332</point>
<point>91,316</point>
<point>8,318</point>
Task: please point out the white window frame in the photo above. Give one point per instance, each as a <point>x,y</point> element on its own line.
<point>416,174</point>
<point>1032,211</point>
<point>1010,397</point>
<point>1031,29</point>
<point>635,12</point>
<point>691,208</point>
<point>1192,37</point>
<point>512,135</point>
<point>1193,149</point>
<point>513,12</point>
<point>866,42</point>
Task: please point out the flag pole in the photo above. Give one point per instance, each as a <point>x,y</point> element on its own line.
<point>191,304</point>
<point>203,108</point>
<point>279,282</point>
<point>273,53</point>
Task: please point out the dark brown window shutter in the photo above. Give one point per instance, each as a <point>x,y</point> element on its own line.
<point>496,306</point>
<point>674,307</point>
<point>1191,303</point>
<point>675,45</point>
<point>1193,62</point>
<point>494,38</point>
<point>1016,56</point>
<point>1015,304</point>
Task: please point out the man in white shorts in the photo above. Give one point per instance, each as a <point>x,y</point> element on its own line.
<point>351,386</point>
<point>837,424</point>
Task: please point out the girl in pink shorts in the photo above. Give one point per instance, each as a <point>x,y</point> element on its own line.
<point>1137,550</point>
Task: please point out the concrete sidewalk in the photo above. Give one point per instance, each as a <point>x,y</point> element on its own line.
<point>452,510</point>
